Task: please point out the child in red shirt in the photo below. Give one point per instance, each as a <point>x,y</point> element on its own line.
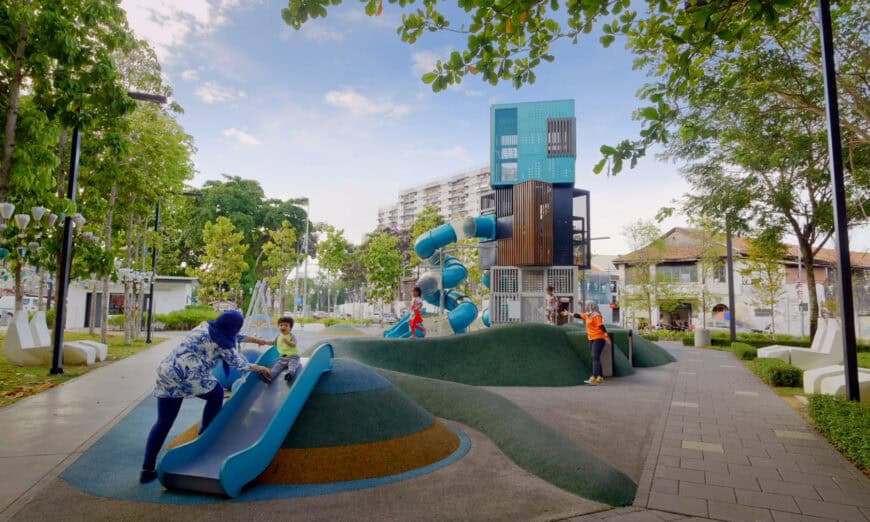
<point>416,321</point>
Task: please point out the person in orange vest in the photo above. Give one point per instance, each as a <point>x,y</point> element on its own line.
<point>598,339</point>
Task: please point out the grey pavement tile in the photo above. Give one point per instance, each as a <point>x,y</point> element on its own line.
<point>789,488</point>
<point>789,434</point>
<point>679,452</point>
<point>784,516</point>
<point>859,485</point>
<point>774,462</point>
<point>732,481</point>
<point>704,465</point>
<point>737,513</point>
<point>866,511</point>
<point>752,471</point>
<point>720,493</point>
<point>702,446</point>
<point>808,478</point>
<point>766,500</point>
<point>678,504</point>
<point>667,517</point>
<point>669,460</point>
<point>839,496</point>
<point>664,485</point>
<point>830,510</point>
<point>834,471</point>
<point>750,452</point>
<point>637,516</point>
<point>688,475</point>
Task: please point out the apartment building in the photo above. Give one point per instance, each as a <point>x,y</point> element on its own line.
<point>454,197</point>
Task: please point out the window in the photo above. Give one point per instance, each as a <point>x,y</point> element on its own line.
<point>508,140</point>
<point>509,153</point>
<point>677,273</point>
<point>636,275</point>
<point>721,275</point>
<point>561,137</point>
<point>508,171</point>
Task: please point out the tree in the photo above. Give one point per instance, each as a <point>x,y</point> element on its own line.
<point>223,262</point>
<point>279,257</point>
<point>763,266</point>
<point>710,254</point>
<point>470,257</point>
<point>383,262</point>
<point>643,286</point>
<point>426,220</point>
<point>332,254</point>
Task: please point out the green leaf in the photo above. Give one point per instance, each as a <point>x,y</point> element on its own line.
<point>430,77</point>
<point>607,39</point>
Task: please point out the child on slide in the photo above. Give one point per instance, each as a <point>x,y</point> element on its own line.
<point>286,344</point>
<point>416,321</point>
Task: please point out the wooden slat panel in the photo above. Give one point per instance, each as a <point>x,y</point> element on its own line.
<point>532,241</point>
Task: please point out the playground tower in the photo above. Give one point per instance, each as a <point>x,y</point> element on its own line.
<point>542,220</point>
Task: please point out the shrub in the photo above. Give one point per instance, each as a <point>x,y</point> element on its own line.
<point>186,319</point>
<point>845,424</point>
<point>330,321</point>
<point>778,373</point>
<point>744,351</point>
<point>688,340</point>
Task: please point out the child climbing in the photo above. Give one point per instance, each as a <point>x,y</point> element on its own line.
<point>550,306</point>
<point>416,321</point>
<point>286,344</point>
<point>186,372</point>
<point>598,339</point>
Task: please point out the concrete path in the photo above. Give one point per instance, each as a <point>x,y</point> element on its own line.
<point>728,448</point>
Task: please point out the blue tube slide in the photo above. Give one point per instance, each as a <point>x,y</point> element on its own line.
<point>461,312</point>
<point>242,440</point>
<point>402,329</point>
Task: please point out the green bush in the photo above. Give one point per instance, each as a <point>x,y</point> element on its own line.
<point>331,321</point>
<point>186,319</point>
<point>778,373</point>
<point>845,424</point>
<point>744,351</point>
<point>117,320</point>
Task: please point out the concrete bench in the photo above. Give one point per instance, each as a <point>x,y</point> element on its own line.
<point>813,378</point>
<point>836,385</point>
<point>826,349</point>
<point>29,343</point>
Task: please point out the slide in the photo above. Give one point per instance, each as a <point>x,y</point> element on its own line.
<point>247,433</point>
<point>461,312</point>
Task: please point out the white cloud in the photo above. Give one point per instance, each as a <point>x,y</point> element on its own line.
<point>361,105</point>
<point>169,24</point>
<point>319,33</point>
<point>424,61</point>
<point>472,92</point>
<point>190,75</point>
<point>458,152</point>
<point>211,92</point>
<point>241,136</point>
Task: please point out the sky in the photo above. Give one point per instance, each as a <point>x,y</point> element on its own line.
<point>337,112</point>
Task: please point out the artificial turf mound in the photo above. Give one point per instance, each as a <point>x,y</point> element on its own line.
<point>533,445</point>
<point>509,355</point>
<point>355,425</point>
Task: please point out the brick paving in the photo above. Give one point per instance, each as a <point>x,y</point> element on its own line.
<point>728,448</point>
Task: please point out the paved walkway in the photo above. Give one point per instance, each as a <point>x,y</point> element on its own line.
<point>728,448</point>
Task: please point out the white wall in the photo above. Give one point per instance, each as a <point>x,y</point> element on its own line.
<point>168,298</point>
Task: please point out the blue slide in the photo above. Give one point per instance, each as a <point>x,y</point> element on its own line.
<point>461,311</point>
<point>247,433</point>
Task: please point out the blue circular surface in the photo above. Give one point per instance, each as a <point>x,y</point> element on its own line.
<point>349,376</point>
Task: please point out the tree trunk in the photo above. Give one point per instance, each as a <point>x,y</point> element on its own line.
<point>104,309</point>
<point>19,296</point>
<point>128,290</point>
<point>40,305</point>
<point>12,112</point>
<point>141,298</point>
<point>92,317</point>
<point>812,296</point>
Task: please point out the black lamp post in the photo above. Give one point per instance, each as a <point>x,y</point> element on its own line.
<point>67,242</point>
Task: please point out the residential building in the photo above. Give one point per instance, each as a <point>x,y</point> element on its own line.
<point>673,263</point>
<point>456,196</point>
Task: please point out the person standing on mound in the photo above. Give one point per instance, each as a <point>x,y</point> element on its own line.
<point>598,339</point>
<point>416,321</point>
<point>186,372</point>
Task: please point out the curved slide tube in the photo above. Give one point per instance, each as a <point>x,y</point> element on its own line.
<point>245,436</point>
<point>461,312</point>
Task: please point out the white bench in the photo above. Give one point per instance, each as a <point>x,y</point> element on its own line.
<point>813,378</point>
<point>836,385</point>
<point>29,344</point>
<point>826,349</point>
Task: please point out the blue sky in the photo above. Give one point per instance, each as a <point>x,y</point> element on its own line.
<point>337,111</point>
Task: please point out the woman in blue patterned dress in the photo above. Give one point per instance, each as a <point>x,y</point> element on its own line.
<point>187,372</point>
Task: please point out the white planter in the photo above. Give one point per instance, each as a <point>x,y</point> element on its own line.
<point>702,337</point>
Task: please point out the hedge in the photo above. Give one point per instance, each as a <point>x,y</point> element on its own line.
<point>760,340</point>
<point>845,424</point>
<point>778,373</point>
<point>744,351</point>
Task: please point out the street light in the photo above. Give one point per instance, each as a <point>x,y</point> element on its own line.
<point>66,244</point>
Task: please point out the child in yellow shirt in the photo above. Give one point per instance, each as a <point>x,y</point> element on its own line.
<point>286,344</point>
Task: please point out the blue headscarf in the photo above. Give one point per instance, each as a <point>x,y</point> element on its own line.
<point>224,329</point>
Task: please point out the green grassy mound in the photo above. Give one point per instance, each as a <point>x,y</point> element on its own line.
<point>531,444</point>
<point>511,355</point>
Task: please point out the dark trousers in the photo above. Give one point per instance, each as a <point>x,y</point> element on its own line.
<point>167,411</point>
<point>597,348</point>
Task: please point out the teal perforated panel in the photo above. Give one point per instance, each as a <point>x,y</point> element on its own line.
<point>519,143</point>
